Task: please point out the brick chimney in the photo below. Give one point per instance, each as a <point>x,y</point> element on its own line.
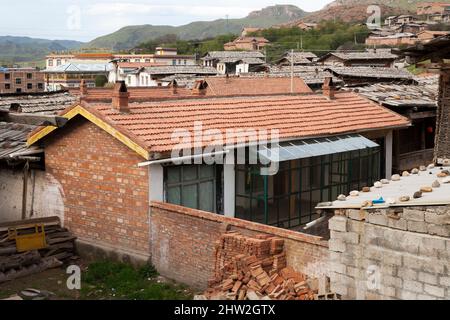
<point>83,88</point>
<point>174,86</point>
<point>328,88</point>
<point>199,88</point>
<point>442,145</point>
<point>120,97</point>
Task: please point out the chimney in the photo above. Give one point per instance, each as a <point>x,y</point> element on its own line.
<point>83,88</point>
<point>120,97</point>
<point>174,86</point>
<point>328,88</point>
<point>442,139</point>
<point>199,88</point>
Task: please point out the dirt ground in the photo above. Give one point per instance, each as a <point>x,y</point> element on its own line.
<point>105,287</point>
<point>53,280</point>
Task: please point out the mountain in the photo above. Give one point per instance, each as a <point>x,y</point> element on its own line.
<point>24,49</point>
<point>129,37</point>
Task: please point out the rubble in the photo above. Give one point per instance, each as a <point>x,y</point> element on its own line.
<point>255,268</point>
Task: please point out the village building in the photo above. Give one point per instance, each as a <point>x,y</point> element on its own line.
<point>299,59</point>
<point>248,30</point>
<point>72,73</point>
<point>434,11</point>
<point>313,76</point>
<point>352,76</point>
<point>428,35</point>
<point>412,146</point>
<point>391,40</point>
<point>25,189</point>
<point>234,62</point>
<point>108,141</point>
<point>247,44</point>
<point>378,58</point>
<point>21,80</point>
<point>155,75</point>
<point>163,56</point>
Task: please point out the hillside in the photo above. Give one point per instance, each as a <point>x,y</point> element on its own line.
<point>350,13</point>
<point>129,37</point>
<point>409,5</point>
<point>22,49</point>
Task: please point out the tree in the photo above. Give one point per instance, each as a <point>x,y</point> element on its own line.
<point>100,81</point>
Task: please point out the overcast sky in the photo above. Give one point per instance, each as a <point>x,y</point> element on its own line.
<point>86,19</point>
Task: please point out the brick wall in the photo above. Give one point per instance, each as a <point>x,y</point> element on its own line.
<point>401,253</point>
<point>105,193</point>
<point>183,240</point>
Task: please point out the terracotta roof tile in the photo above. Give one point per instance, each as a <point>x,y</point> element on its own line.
<point>253,86</point>
<point>151,124</point>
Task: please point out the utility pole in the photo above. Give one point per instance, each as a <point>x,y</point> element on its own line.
<point>228,16</point>
<point>292,70</point>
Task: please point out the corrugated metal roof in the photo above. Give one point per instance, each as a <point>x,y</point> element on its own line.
<point>302,149</point>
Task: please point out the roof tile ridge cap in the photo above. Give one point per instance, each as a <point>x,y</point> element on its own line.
<point>116,125</point>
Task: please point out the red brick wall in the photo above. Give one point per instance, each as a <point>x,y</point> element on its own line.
<point>183,240</point>
<point>105,193</point>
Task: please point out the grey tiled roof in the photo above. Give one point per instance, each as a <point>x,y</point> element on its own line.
<point>233,55</point>
<point>13,138</point>
<point>381,55</point>
<point>401,95</point>
<point>48,103</point>
<point>168,70</point>
<point>312,75</point>
<point>371,72</point>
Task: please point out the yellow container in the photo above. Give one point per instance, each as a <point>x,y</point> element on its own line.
<point>28,238</point>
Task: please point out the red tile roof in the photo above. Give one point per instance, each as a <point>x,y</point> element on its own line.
<point>151,124</point>
<point>234,86</point>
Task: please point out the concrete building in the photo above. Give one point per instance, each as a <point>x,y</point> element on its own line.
<point>163,56</point>
<point>71,74</point>
<point>21,80</point>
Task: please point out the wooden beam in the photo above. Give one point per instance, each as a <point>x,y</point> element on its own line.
<point>35,119</point>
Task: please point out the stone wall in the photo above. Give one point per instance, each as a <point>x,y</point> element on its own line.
<point>183,243</point>
<point>401,253</point>
<point>442,148</point>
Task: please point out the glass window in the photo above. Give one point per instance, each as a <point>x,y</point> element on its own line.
<point>192,186</point>
<point>7,76</point>
<point>18,81</point>
<point>7,86</point>
<point>29,86</point>
<point>29,76</point>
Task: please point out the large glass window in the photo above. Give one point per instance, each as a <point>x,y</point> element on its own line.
<point>288,199</point>
<point>193,186</point>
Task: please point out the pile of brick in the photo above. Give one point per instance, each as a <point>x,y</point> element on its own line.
<point>254,268</point>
